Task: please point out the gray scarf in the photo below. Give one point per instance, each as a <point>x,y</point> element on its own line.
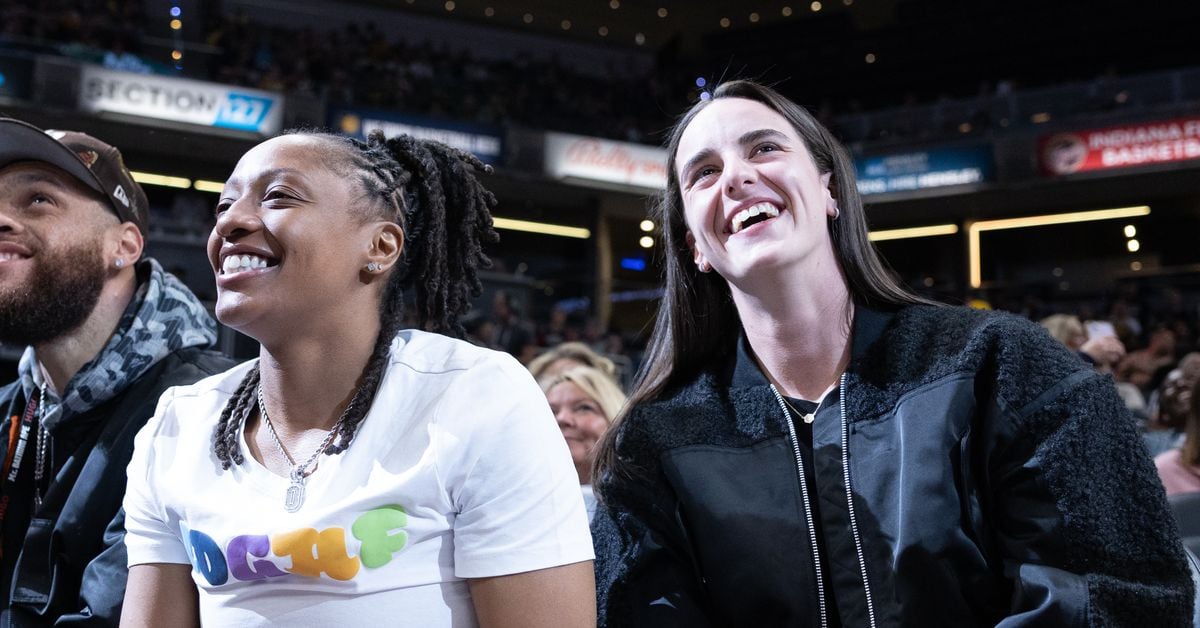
<point>163,317</point>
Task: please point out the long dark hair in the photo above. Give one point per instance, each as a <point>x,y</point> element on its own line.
<point>696,318</point>
<point>433,193</point>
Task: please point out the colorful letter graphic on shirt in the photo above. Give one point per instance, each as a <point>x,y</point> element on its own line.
<point>374,529</point>
<point>311,552</point>
<point>315,552</point>
<point>206,556</point>
<point>241,548</point>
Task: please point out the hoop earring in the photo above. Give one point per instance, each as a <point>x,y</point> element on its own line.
<point>836,212</point>
<point>704,267</point>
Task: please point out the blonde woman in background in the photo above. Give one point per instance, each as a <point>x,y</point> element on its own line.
<point>1103,351</point>
<point>584,400</point>
<point>566,356</point>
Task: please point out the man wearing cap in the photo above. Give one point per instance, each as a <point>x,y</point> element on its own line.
<point>105,331</point>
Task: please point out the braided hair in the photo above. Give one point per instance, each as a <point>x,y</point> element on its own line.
<point>433,193</point>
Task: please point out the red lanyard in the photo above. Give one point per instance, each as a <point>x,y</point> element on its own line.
<point>18,438</point>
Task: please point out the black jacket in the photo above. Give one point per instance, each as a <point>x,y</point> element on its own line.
<point>995,478</point>
<point>72,568</point>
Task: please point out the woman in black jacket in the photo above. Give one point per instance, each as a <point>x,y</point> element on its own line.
<point>811,444</point>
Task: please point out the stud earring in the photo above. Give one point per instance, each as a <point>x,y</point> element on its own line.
<point>373,267</point>
<point>120,263</point>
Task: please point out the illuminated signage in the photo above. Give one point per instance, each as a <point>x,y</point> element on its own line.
<point>1163,141</point>
<point>180,100</point>
<point>633,263</point>
<point>922,170</point>
<point>484,142</point>
<point>605,163</point>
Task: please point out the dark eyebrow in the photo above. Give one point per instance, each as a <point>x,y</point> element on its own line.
<point>699,157</point>
<point>748,137</point>
<point>753,136</point>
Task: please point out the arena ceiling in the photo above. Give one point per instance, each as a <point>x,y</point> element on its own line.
<point>649,24</point>
<point>930,47</point>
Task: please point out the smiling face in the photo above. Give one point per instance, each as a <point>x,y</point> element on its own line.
<point>53,234</point>
<point>291,241</point>
<point>752,196</point>
<point>580,418</point>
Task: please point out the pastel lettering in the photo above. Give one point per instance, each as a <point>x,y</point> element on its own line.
<point>240,549</point>
<point>375,529</point>
<point>315,552</point>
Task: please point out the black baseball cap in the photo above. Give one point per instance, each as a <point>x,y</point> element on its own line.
<point>94,163</point>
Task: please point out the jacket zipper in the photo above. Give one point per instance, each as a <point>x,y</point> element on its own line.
<point>812,528</point>
<point>862,563</point>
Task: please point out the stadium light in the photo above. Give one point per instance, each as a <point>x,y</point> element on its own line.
<point>975,228</point>
<point>912,232</point>
<point>204,185</point>
<point>149,178</point>
<point>544,228</point>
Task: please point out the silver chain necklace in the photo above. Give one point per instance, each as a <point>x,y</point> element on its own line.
<point>299,473</point>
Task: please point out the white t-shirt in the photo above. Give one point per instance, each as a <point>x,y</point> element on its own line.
<point>458,471</point>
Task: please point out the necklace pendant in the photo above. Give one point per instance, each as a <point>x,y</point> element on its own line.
<point>295,493</point>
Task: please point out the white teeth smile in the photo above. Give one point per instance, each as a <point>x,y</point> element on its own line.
<point>741,217</point>
<point>8,257</point>
<point>238,263</point>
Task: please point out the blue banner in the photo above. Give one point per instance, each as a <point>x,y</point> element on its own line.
<point>485,142</point>
<point>922,170</point>
<point>180,100</point>
<point>245,112</point>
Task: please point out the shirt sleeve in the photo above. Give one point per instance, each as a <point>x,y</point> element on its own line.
<point>149,536</point>
<point>509,475</point>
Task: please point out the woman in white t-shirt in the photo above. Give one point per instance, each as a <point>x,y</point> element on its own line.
<point>355,472</point>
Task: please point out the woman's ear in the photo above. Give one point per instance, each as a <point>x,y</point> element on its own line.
<point>386,246</point>
<point>831,200</point>
<point>701,263</point>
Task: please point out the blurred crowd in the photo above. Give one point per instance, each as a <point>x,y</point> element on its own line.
<point>359,64</point>
<point>108,33</point>
<point>1156,370</point>
<point>364,65</point>
<point>508,327</point>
